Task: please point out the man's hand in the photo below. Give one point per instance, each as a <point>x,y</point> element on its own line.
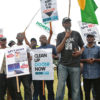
<point>76,53</point>
<point>23,33</point>
<point>67,35</point>
<point>90,60</point>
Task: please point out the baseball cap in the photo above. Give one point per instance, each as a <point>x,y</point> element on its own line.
<point>11,42</point>
<point>33,39</point>
<point>90,35</point>
<point>2,38</point>
<point>66,19</point>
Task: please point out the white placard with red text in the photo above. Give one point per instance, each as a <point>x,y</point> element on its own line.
<point>88,28</point>
<point>16,61</point>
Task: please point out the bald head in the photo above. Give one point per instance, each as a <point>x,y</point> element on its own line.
<point>43,39</point>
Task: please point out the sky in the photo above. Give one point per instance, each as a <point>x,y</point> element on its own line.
<point>15,15</point>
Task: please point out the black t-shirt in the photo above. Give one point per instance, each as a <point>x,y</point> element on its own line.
<point>74,41</point>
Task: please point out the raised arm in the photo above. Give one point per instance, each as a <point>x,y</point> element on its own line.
<point>49,39</point>
<point>26,41</point>
<point>61,45</point>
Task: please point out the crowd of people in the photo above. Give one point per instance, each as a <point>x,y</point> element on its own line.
<point>74,59</point>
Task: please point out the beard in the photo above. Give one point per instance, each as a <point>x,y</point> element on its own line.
<point>68,28</point>
<point>44,44</point>
<point>20,41</point>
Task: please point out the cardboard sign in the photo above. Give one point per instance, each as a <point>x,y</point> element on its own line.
<point>87,28</point>
<point>49,10</point>
<point>42,65</point>
<point>16,61</point>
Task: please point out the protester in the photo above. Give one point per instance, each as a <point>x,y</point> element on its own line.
<point>91,68</point>
<point>49,83</point>
<point>25,78</point>
<point>68,43</point>
<point>3,80</point>
<point>12,82</point>
<point>33,45</point>
<point>4,84</point>
<point>11,43</point>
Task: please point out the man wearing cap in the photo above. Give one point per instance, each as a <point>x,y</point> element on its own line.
<point>25,78</point>
<point>3,80</point>
<point>91,67</point>
<point>11,43</point>
<point>68,44</point>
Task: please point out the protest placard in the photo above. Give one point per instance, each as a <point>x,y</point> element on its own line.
<point>42,65</point>
<point>49,10</point>
<point>16,61</point>
<point>88,28</point>
<point>44,26</point>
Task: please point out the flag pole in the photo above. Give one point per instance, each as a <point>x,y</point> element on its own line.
<point>69,8</point>
<point>32,19</point>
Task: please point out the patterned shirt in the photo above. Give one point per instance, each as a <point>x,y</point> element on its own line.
<point>91,71</point>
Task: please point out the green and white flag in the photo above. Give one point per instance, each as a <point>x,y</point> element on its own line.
<point>88,14</point>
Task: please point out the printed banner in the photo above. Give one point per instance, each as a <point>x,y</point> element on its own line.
<point>87,28</point>
<point>42,64</point>
<point>2,51</point>
<point>44,26</point>
<point>49,10</point>
<point>16,61</point>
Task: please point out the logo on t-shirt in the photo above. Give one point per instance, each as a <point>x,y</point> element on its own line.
<point>68,44</point>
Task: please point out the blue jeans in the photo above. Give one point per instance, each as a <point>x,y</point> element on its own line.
<point>74,74</point>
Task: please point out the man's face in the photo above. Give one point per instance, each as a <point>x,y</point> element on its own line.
<point>43,40</point>
<point>33,44</point>
<point>67,25</point>
<point>20,37</point>
<point>13,43</point>
<point>3,42</point>
<point>90,39</point>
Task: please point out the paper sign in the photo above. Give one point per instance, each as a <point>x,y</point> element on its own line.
<point>42,65</point>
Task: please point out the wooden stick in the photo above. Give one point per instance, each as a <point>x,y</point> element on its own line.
<point>32,19</point>
<point>43,88</point>
<point>17,80</point>
<point>50,25</point>
<point>69,8</point>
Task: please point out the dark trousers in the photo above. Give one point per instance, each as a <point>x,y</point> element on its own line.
<point>88,84</point>
<point>27,90</point>
<point>49,84</point>
<point>3,86</point>
<point>38,89</point>
<point>12,88</point>
<point>35,84</point>
<point>9,83</point>
<point>35,94</point>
